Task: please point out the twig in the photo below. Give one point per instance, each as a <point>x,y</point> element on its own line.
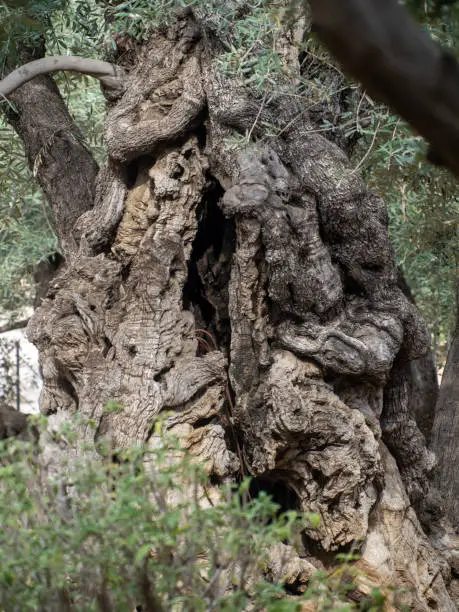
<point>257,117</point>
<point>357,118</point>
<point>209,335</point>
<point>368,151</point>
<point>14,325</point>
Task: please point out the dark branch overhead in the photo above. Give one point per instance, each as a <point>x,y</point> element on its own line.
<point>378,43</point>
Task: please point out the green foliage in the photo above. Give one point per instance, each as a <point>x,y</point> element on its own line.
<point>138,17</point>
<point>113,407</point>
<point>24,20</point>
<point>139,527</point>
<point>252,53</point>
<point>423,213</point>
<point>25,232</point>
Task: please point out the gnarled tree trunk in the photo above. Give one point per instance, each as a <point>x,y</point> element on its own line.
<point>252,293</point>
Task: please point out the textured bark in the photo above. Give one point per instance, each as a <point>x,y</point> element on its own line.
<point>407,444</point>
<point>63,166</point>
<point>422,381</point>
<point>252,295</point>
<point>446,432</point>
<point>397,546</point>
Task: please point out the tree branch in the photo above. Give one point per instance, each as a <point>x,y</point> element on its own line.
<point>379,44</point>
<point>109,75</point>
<point>14,325</point>
<point>63,166</point>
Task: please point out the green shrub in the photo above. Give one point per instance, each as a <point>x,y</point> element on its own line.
<point>140,527</point>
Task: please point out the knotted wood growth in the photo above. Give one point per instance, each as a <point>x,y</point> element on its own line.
<point>251,296</point>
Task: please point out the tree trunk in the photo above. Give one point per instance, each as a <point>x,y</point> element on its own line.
<point>63,166</point>
<point>422,381</point>
<point>253,294</point>
<point>445,434</point>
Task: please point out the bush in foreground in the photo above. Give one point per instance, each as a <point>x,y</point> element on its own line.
<point>139,529</point>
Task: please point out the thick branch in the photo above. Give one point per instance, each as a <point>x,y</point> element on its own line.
<point>108,74</point>
<point>379,44</point>
<point>64,168</point>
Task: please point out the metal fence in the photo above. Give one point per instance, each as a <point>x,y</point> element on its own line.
<point>20,379</point>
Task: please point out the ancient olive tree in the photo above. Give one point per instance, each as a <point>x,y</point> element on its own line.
<point>228,268</point>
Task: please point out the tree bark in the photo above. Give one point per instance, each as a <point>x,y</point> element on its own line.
<point>252,295</point>
<point>422,381</point>
<point>446,430</point>
<point>63,166</point>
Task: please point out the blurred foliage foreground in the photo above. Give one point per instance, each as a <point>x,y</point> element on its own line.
<point>139,529</point>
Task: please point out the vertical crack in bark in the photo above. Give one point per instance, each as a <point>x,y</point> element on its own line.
<point>206,288</point>
<point>206,293</point>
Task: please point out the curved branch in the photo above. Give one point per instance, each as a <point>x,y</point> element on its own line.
<point>109,75</point>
